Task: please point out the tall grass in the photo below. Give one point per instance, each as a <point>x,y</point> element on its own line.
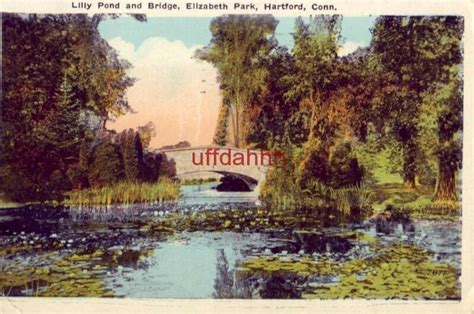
<point>418,203</point>
<point>125,193</point>
<point>353,197</point>
<point>281,191</point>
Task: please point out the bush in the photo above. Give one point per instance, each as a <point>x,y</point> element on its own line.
<point>18,187</point>
<point>344,169</point>
<point>337,168</point>
<point>288,189</point>
<point>106,168</point>
<point>313,164</point>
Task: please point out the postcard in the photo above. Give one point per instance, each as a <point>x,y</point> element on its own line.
<point>281,156</point>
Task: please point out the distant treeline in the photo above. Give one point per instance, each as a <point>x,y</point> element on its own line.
<point>117,157</point>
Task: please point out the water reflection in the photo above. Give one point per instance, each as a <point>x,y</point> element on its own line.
<point>226,284</point>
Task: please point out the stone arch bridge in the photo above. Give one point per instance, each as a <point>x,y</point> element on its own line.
<point>245,164</point>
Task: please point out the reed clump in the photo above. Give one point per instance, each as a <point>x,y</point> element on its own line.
<point>283,193</point>
<point>352,197</point>
<point>164,189</point>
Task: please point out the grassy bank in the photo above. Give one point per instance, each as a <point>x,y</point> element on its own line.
<point>125,193</point>
<point>281,191</point>
<point>417,203</point>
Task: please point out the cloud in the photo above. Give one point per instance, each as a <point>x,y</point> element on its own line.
<point>178,93</point>
<point>349,47</point>
<point>124,48</point>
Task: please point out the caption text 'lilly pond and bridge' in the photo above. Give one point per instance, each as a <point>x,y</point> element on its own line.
<point>202,6</point>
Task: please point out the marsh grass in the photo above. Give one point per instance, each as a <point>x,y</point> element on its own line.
<point>288,195</point>
<point>348,198</point>
<point>125,193</point>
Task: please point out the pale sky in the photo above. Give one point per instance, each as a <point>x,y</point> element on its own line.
<point>179,94</point>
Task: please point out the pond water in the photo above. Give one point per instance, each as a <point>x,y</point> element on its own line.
<point>206,194</point>
<point>51,252</point>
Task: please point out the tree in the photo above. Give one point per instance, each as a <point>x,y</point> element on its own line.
<point>78,172</point>
<point>314,58</point>
<point>238,48</point>
<point>62,129</point>
<point>414,53</point>
<point>269,111</point>
<point>57,71</point>
<point>152,164</point>
<point>180,144</point>
<point>220,135</point>
<point>146,133</point>
<point>132,154</point>
<point>106,167</point>
<point>334,99</point>
<point>441,126</point>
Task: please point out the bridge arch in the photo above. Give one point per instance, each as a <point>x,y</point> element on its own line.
<point>252,174</point>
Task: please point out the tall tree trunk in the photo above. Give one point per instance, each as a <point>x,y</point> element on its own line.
<point>233,121</point>
<point>445,182</point>
<point>237,126</point>
<point>449,150</point>
<point>409,166</point>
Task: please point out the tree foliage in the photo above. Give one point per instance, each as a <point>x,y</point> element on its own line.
<point>61,83</point>
<point>57,71</point>
<point>238,49</point>
<point>414,53</point>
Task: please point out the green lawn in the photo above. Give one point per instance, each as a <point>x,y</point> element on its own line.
<point>381,175</point>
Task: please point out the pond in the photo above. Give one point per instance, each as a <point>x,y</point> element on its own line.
<point>226,249</point>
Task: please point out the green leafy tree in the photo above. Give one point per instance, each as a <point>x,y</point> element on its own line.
<point>56,70</point>
<point>106,167</point>
<point>146,133</point>
<point>238,49</point>
<point>314,55</point>
<point>132,154</point>
<point>314,59</point>
<point>220,135</point>
<point>440,133</point>
<point>334,96</point>
<point>269,111</point>
<point>414,53</point>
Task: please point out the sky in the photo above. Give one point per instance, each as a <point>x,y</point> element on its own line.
<point>178,93</point>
